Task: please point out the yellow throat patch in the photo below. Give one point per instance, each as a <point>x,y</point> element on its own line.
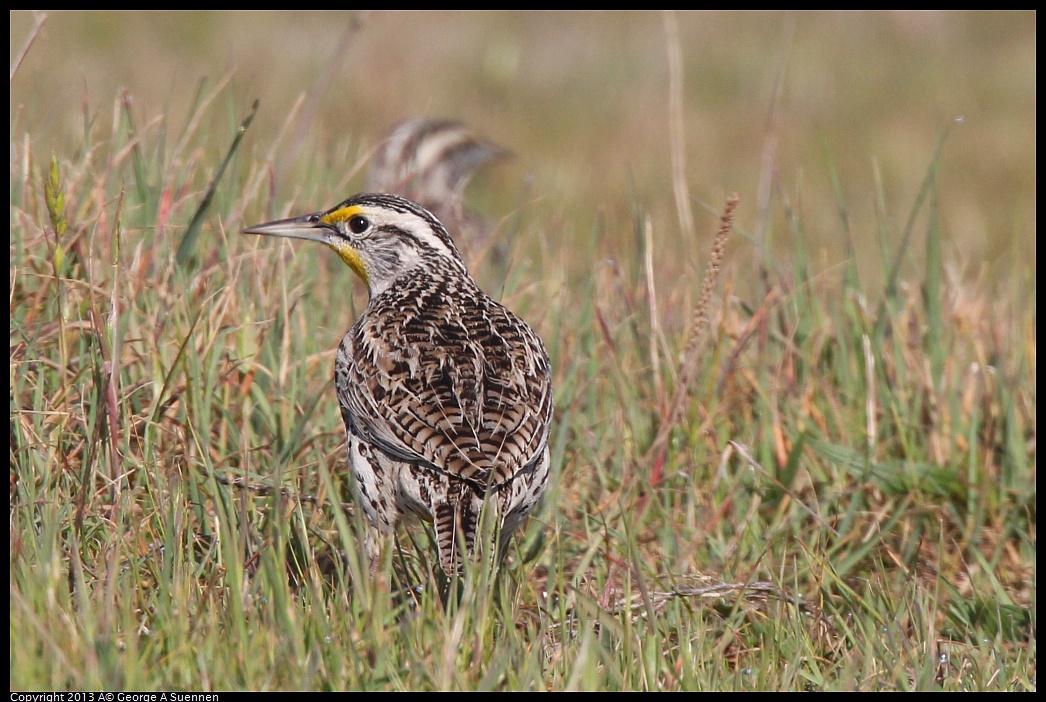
<point>348,254</point>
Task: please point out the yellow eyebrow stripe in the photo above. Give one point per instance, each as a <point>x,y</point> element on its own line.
<point>341,214</point>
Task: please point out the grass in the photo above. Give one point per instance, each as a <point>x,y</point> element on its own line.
<point>845,497</point>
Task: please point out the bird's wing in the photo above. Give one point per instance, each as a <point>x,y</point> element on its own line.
<point>462,388</point>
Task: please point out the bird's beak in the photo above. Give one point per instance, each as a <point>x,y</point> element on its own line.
<point>312,228</point>
<point>305,227</point>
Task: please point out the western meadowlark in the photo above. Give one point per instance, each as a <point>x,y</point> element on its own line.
<point>446,394</point>
<point>432,162</point>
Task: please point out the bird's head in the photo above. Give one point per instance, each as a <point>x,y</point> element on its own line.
<point>379,236</point>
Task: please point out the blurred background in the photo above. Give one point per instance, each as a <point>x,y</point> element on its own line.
<point>820,110</point>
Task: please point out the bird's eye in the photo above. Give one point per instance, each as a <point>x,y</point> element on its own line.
<point>359,224</point>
